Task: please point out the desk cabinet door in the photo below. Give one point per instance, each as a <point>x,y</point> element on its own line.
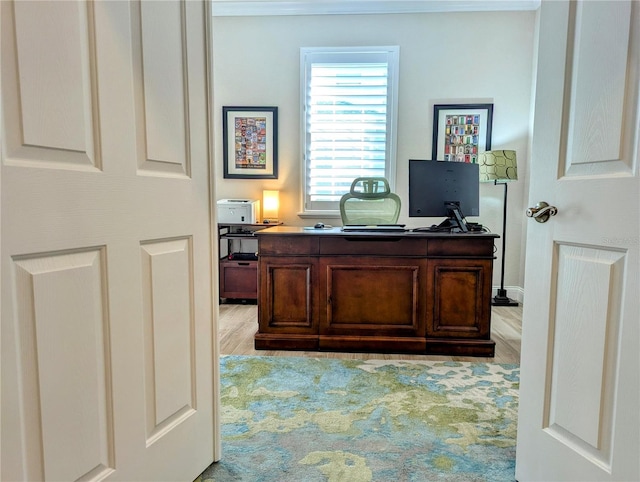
<point>287,295</point>
<point>459,298</point>
<point>372,296</point>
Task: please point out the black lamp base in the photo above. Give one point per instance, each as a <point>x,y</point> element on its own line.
<point>501,299</point>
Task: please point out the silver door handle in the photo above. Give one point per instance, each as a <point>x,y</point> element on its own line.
<point>541,212</point>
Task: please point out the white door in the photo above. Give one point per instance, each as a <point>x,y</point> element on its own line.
<point>579,396</point>
<point>108,352</point>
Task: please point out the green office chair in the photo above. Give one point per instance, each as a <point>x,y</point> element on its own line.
<point>370,201</point>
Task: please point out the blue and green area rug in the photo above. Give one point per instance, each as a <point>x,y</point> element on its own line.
<point>310,419</point>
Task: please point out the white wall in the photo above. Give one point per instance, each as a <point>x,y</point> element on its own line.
<point>444,58</point>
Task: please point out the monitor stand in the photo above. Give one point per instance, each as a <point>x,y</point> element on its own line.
<point>455,222</point>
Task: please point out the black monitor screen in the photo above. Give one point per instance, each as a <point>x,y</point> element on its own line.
<point>433,184</point>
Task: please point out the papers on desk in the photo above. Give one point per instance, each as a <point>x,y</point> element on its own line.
<point>376,228</point>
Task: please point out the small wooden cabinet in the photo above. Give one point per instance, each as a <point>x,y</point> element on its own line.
<point>402,292</point>
<point>238,264</point>
<point>238,279</point>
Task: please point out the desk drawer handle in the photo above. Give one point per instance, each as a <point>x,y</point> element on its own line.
<point>245,263</point>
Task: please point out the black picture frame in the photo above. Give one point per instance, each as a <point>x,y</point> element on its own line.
<point>461,131</point>
<point>250,142</point>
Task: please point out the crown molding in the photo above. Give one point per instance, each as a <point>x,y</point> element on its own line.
<point>234,8</point>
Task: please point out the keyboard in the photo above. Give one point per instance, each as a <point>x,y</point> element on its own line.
<point>376,228</point>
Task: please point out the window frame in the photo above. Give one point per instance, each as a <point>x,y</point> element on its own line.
<point>309,55</point>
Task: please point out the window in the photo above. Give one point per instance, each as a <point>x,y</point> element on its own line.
<point>349,98</point>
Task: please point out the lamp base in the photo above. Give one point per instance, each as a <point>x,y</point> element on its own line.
<point>501,299</point>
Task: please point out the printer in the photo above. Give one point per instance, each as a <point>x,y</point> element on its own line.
<point>238,211</point>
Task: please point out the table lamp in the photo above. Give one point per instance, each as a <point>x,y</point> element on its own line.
<point>270,206</point>
<point>500,167</point>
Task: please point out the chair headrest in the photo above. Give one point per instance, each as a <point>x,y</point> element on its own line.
<point>370,187</point>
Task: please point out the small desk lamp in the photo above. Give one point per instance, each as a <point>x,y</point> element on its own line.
<point>500,167</point>
<point>270,206</point>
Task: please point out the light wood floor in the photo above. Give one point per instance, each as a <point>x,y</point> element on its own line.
<point>238,323</point>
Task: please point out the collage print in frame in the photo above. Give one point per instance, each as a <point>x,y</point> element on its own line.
<point>461,131</point>
<point>250,142</point>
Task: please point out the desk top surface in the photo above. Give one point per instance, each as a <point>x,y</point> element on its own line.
<point>337,231</point>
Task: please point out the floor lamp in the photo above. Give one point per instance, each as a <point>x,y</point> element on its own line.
<point>500,167</point>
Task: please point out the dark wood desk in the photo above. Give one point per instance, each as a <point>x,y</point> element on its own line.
<point>412,292</point>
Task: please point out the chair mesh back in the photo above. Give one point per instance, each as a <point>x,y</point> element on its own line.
<point>370,211</point>
<point>370,201</point>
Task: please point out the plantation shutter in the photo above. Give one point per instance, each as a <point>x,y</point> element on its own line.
<point>347,122</point>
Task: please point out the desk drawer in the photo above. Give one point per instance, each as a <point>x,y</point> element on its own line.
<point>274,245</point>
<point>372,245</point>
<point>461,247</point>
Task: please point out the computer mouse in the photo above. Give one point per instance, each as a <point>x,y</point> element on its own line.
<point>319,226</point>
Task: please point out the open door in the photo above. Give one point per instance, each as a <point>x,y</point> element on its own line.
<point>108,350</point>
<point>579,397</point>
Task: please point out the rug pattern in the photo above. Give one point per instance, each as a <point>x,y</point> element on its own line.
<point>311,419</point>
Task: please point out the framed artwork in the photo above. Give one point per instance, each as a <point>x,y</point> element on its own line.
<point>461,131</point>
<point>250,142</point>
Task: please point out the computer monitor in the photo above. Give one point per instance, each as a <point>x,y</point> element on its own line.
<point>439,188</point>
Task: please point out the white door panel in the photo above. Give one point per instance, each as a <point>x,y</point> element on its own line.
<point>161,73</point>
<point>580,387</point>
<point>107,327</point>
<point>63,340</point>
<point>584,345</point>
<point>169,334</point>
<point>53,107</point>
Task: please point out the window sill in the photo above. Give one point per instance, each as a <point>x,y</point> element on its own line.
<point>319,215</point>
